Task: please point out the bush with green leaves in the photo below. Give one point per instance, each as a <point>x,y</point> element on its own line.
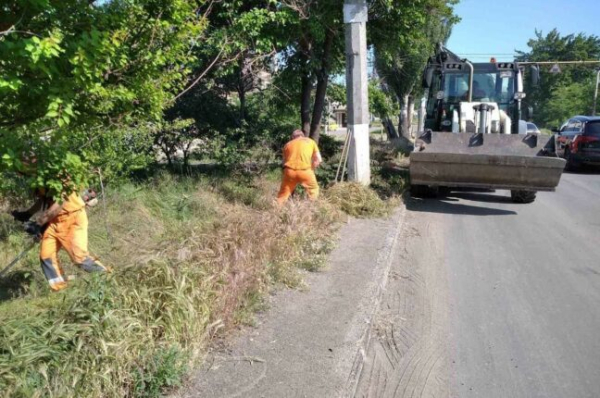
<point>78,76</point>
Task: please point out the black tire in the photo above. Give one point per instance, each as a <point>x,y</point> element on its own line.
<point>523,196</point>
<point>571,165</point>
<point>444,191</point>
<point>423,191</point>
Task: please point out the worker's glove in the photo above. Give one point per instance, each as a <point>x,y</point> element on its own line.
<point>21,216</point>
<point>34,229</point>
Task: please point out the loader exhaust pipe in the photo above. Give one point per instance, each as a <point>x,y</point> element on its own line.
<point>481,112</point>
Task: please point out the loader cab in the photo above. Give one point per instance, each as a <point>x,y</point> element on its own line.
<point>449,86</point>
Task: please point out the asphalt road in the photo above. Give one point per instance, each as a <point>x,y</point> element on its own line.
<point>511,291</point>
<point>475,296</point>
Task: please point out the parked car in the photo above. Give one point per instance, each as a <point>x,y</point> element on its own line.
<point>578,142</point>
<point>532,128</point>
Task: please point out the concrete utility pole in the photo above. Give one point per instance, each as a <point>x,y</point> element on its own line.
<point>357,86</point>
<point>596,93</point>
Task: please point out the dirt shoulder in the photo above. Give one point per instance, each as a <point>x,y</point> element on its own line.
<point>310,343</point>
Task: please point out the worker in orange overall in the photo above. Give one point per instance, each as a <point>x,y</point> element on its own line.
<point>301,157</point>
<point>60,225</point>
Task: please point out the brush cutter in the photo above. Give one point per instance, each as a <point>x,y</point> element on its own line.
<point>19,257</point>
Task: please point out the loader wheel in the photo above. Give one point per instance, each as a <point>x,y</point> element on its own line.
<point>423,191</point>
<point>523,196</point>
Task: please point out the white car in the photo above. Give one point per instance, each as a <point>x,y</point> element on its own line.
<point>532,128</point>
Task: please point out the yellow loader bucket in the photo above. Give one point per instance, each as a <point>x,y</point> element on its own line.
<point>493,161</point>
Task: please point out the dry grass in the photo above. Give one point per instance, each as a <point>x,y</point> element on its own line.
<point>192,260</point>
<point>358,200</point>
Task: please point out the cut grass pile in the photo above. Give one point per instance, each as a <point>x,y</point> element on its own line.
<point>358,201</point>
<point>192,258</point>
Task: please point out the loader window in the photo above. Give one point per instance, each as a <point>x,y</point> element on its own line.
<point>489,87</point>
<point>456,87</point>
<point>433,90</point>
<point>495,87</point>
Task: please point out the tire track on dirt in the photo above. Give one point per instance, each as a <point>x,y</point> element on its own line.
<point>407,356</point>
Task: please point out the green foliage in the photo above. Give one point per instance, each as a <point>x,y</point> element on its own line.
<point>404,35</point>
<point>164,369</point>
<point>177,135</point>
<point>72,72</point>
<point>568,100</point>
<point>568,93</point>
<point>381,103</point>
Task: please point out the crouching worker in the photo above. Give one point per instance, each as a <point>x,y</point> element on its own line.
<point>300,158</point>
<point>61,225</point>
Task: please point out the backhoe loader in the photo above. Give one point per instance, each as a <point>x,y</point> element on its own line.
<point>474,133</point>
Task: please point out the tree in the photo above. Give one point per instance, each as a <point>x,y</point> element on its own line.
<point>404,35</point>
<point>383,106</point>
<point>314,53</point>
<point>568,100</point>
<point>549,100</point>
<point>74,71</point>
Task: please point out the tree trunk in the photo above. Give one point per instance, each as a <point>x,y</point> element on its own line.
<point>305,103</point>
<point>244,85</point>
<point>315,125</point>
<point>410,114</point>
<point>392,133</point>
<point>321,91</point>
<point>306,84</point>
<point>168,156</point>
<point>404,122</point>
<point>242,96</point>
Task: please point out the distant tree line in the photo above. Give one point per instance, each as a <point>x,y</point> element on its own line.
<point>568,93</point>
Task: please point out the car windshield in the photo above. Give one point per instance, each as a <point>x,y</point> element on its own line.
<point>488,87</point>
<point>593,129</point>
<point>531,126</point>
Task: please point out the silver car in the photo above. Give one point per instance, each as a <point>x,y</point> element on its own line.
<point>532,128</point>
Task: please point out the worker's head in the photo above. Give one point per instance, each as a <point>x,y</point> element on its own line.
<point>297,134</point>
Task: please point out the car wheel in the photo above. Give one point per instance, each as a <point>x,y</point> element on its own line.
<point>571,165</point>
<point>523,196</point>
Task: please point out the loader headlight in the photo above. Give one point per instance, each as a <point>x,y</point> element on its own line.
<point>520,95</point>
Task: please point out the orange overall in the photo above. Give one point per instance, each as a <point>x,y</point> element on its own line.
<point>68,230</point>
<point>298,157</point>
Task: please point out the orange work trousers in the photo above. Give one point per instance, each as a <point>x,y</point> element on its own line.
<point>68,231</point>
<point>291,179</point>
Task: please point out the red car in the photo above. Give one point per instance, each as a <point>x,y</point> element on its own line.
<point>578,142</point>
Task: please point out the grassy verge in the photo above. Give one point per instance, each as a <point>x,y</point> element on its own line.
<point>193,258</point>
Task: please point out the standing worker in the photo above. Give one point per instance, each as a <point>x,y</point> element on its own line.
<point>301,157</point>
<point>61,225</point>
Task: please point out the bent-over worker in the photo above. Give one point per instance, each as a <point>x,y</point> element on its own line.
<point>61,225</point>
<point>301,157</point>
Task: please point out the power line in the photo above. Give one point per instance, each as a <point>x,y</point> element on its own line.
<point>559,62</point>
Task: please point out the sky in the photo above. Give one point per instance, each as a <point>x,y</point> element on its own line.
<point>499,27</point>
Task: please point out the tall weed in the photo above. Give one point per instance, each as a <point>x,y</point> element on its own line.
<point>192,259</point>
